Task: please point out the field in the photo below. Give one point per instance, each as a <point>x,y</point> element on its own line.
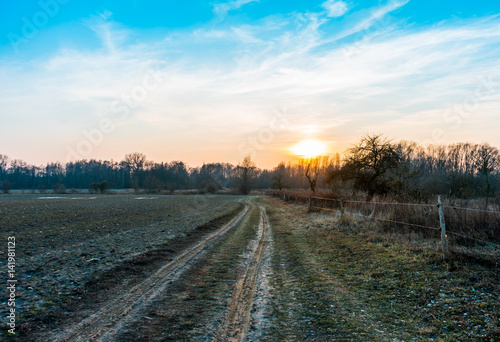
<point>65,242</point>
<point>224,268</point>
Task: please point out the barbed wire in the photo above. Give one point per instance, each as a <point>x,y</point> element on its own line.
<point>379,219</point>
<point>397,203</point>
<point>328,209</point>
<point>468,237</point>
<point>406,223</point>
<point>393,203</point>
<point>400,222</point>
<point>366,202</point>
<point>410,224</point>
<point>472,209</point>
<point>324,198</point>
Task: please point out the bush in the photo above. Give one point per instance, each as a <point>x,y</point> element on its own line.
<point>211,187</point>
<point>93,188</point>
<point>58,188</point>
<point>103,186</point>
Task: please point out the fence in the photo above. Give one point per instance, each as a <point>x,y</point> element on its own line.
<point>468,225</point>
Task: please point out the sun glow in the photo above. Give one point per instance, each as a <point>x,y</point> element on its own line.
<point>309,148</point>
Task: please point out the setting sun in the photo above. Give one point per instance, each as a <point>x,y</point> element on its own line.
<point>309,148</point>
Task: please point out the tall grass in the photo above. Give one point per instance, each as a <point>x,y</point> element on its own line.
<point>465,227</point>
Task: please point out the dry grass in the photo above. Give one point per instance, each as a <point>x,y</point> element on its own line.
<point>471,232</point>
<point>395,285</point>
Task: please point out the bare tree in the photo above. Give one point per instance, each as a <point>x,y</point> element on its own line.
<point>333,175</point>
<point>486,159</point>
<point>312,168</point>
<point>460,170</point>
<point>136,162</point>
<point>369,162</point>
<point>245,175</point>
<point>279,177</point>
<point>4,160</point>
<point>411,164</point>
<point>6,186</point>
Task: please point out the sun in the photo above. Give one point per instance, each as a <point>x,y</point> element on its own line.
<point>309,148</point>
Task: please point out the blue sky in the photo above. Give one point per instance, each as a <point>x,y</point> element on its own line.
<point>214,81</point>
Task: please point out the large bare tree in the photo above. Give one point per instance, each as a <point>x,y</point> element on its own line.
<point>136,162</point>
<point>369,162</point>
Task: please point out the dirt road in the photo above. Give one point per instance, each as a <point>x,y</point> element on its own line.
<point>237,320</point>
<point>274,272</point>
<point>109,320</point>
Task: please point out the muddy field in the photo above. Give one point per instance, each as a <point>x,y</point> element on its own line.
<point>65,242</point>
<point>227,268</point>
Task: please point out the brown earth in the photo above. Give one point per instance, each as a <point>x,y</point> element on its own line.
<point>274,272</point>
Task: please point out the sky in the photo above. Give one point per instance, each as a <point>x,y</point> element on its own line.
<point>208,81</point>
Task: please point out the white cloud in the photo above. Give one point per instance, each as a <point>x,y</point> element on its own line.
<point>110,33</point>
<point>335,8</point>
<point>105,15</point>
<point>374,17</point>
<point>222,9</point>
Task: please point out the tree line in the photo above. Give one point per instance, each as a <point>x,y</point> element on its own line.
<point>134,171</point>
<point>374,165</point>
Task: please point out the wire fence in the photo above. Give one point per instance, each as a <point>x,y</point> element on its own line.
<point>473,209</point>
<point>464,225</point>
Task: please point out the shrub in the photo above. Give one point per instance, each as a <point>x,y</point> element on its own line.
<point>58,188</point>
<point>93,188</point>
<point>42,188</point>
<point>211,187</point>
<point>103,186</point>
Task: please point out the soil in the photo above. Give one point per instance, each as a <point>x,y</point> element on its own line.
<point>263,270</point>
<point>237,321</point>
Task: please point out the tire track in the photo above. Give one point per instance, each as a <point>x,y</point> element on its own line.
<point>237,320</point>
<point>104,324</point>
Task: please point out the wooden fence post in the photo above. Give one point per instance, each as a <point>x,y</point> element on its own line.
<point>341,209</point>
<point>444,241</point>
<point>310,204</point>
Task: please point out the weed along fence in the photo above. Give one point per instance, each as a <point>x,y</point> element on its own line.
<point>453,225</point>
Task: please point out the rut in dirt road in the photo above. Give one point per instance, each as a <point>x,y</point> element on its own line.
<point>104,324</point>
<point>237,320</point>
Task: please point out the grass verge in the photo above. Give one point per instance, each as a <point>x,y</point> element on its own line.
<point>344,282</point>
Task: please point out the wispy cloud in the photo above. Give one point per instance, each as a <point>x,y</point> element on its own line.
<point>222,9</point>
<point>335,8</point>
<point>373,17</point>
<point>110,33</point>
